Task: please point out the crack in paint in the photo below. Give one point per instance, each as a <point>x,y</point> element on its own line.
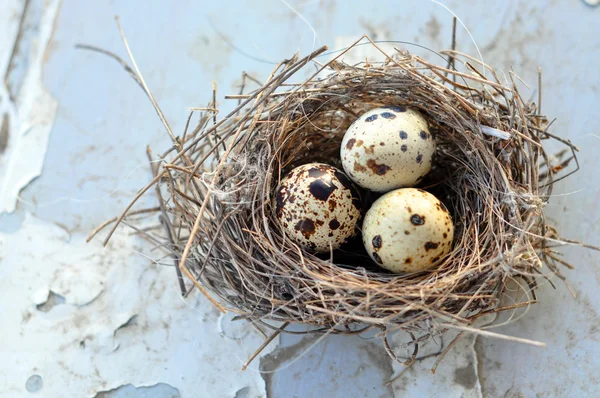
<point>4,133</point>
<point>19,57</point>
<point>477,346</point>
<point>153,329</point>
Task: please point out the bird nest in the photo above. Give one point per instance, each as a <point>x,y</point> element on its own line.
<point>217,181</point>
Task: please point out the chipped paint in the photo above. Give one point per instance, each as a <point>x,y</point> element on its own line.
<point>79,309</point>
<point>161,390</point>
<point>570,327</point>
<point>29,109</point>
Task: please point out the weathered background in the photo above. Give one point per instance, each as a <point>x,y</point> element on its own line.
<point>83,321</point>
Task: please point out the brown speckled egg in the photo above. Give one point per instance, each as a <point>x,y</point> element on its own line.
<point>388,148</point>
<point>318,207</point>
<point>408,230</point>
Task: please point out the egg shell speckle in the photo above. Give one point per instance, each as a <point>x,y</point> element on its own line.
<point>318,207</point>
<point>388,148</point>
<point>408,230</point>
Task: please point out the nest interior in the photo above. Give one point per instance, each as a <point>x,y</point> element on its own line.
<point>216,186</point>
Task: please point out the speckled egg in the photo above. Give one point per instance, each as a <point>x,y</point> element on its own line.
<point>408,230</point>
<point>318,207</point>
<point>388,148</point>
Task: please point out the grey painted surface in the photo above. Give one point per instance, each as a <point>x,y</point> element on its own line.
<point>96,157</point>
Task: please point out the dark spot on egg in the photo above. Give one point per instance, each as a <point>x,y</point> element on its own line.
<point>350,143</point>
<point>376,241</point>
<point>416,219</point>
<point>359,167</point>
<point>435,260</point>
<point>330,234</point>
<point>371,118</point>
<point>379,169</point>
<point>388,115</point>
<point>345,181</point>
<point>403,148</point>
<point>431,245</point>
<point>370,149</point>
<point>382,143</point>
<point>292,198</point>
<point>321,189</point>
<point>409,209</point>
<point>334,224</point>
<point>406,233</point>
<point>403,135</point>
<point>396,108</point>
<point>332,204</point>
<point>306,227</point>
<point>377,258</point>
<point>419,158</point>
<point>320,223</point>
<point>359,143</point>
<point>407,260</point>
<point>423,135</point>
<point>445,235</point>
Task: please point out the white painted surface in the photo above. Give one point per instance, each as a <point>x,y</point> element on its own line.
<point>32,115</point>
<point>96,162</point>
<point>121,322</point>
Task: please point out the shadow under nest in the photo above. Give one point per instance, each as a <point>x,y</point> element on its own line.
<point>216,187</point>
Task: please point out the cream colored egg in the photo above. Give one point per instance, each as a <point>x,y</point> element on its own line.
<point>408,230</point>
<point>318,207</point>
<point>388,148</point>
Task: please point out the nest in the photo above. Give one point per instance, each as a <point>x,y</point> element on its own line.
<point>216,185</point>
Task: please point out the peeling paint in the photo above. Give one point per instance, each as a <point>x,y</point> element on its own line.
<point>242,393</point>
<point>51,301</point>
<point>137,331</point>
<point>159,390</point>
<point>73,344</point>
<point>34,383</point>
<point>28,109</point>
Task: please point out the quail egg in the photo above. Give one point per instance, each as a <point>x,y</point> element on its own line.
<point>408,230</point>
<point>388,148</point>
<point>318,207</point>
